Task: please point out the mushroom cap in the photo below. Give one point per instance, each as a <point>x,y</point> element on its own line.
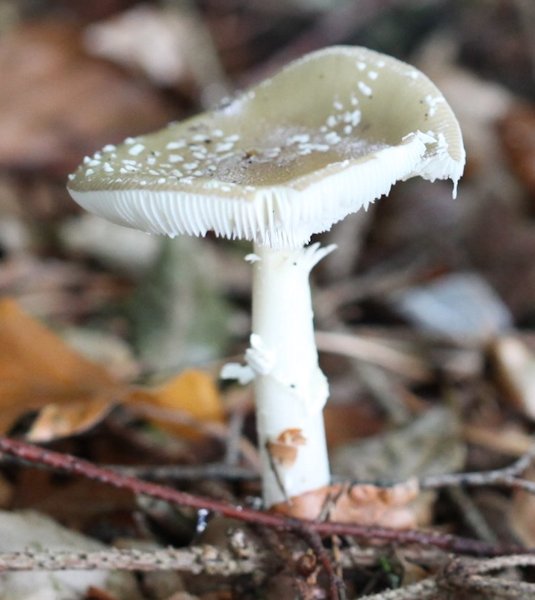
<point>327,135</point>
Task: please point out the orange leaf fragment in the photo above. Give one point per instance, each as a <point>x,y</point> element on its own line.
<point>61,420</point>
<point>38,369</point>
<point>192,392</point>
<point>362,504</point>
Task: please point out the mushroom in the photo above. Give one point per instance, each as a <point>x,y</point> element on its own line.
<point>326,136</point>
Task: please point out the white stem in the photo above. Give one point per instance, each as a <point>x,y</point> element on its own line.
<point>291,390</point>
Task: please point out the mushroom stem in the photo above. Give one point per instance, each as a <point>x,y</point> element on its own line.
<point>290,388</point>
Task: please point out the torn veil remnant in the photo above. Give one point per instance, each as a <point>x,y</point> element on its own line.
<point>326,136</point>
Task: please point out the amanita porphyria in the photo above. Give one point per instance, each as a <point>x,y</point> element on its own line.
<point>327,135</point>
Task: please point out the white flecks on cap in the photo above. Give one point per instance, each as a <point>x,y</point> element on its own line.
<point>176,145</point>
<point>277,216</point>
<point>365,88</point>
<point>136,149</point>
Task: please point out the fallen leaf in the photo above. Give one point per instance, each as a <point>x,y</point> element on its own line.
<point>365,504</point>
<point>515,370</point>
<point>163,58</point>
<point>57,103</point>
<point>460,306</point>
<point>61,420</point>
<point>39,371</point>
<point>193,392</point>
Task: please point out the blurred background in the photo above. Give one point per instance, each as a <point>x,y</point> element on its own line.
<point>428,304</point>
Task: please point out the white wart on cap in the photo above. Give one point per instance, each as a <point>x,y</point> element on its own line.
<point>326,136</point>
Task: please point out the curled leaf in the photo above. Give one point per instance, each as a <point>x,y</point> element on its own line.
<point>363,504</point>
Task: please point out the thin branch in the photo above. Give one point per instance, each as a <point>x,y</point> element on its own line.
<point>472,515</point>
<point>428,588</point>
<point>497,587</point>
<point>477,567</point>
<point>336,583</point>
<point>374,351</point>
<point>469,575</point>
<point>217,470</point>
<point>195,559</point>
<point>235,427</point>
<point>189,472</point>
<point>508,477</point>
<point>71,464</point>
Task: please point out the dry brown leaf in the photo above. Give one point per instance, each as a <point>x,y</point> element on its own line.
<point>167,35</point>
<point>39,371</point>
<point>345,423</point>
<point>57,103</point>
<point>364,504</point>
<point>515,370</point>
<point>61,420</point>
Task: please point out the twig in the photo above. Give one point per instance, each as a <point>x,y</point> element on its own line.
<point>493,587</point>
<point>216,470</point>
<point>512,444</point>
<point>461,574</point>
<point>493,564</point>
<point>386,390</point>
<point>195,559</point>
<point>402,272</point>
<point>374,351</point>
<point>468,574</point>
<point>76,466</point>
<point>235,426</point>
<point>427,588</point>
<point>188,472</point>
<point>244,558</point>
<point>472,515</point>
<point>336,583</point>
<point>508,477</point>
